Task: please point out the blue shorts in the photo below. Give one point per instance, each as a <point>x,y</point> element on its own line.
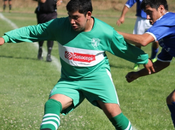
<point>96,86</point>
<point>164,56</point>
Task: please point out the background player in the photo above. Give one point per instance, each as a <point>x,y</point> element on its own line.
<point>157,12</point>
<point>9,2</point>
<point>141,25</point>
<point>46,10</point>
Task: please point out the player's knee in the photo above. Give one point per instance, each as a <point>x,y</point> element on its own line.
<point>171,98</point>
<point>168,100</point>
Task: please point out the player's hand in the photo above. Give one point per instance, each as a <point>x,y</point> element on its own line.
<point>59,2</point>
<point>120,21</point>
<point>131,76</point>
<point>1,41</point>
<point>149,66</point>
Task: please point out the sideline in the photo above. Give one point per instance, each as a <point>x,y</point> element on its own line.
<point>55,61</point>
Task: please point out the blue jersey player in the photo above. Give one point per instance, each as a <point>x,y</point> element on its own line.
<point>157,13</point>
<point>141,25</point>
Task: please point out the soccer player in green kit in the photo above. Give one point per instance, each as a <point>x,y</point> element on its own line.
<point>85,71</point>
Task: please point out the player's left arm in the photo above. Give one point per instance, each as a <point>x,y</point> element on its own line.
<point>158,66</point>
<point>140,40</point>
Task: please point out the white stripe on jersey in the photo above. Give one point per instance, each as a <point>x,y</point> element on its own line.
<point>152,35</point>
<point>80,57</point>
<point>109,74</point>
<point>127,5</point>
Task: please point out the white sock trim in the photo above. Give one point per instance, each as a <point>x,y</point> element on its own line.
<point>52,118</point>
<point>129,127</point>
<point>52,123</point>
<point>50,114</point>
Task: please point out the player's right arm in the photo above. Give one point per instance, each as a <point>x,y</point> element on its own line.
<point>125,9</point>
<point>122,17</point>
<point>137,39</point>
<point>33,33</point>
<point>1,41</point>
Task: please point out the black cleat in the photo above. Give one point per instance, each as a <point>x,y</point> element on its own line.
<point>40,56</point>
<point>48,58</point>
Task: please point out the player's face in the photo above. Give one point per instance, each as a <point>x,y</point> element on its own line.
<point>79,20</point>
<point>153,14</point>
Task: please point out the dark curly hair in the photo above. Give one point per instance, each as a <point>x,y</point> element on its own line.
<point>83,6</point>
<point>154,4</point>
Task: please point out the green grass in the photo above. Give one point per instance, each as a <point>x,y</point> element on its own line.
<point>25,84</point>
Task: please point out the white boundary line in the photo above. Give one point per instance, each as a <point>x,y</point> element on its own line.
<point>55,61</point>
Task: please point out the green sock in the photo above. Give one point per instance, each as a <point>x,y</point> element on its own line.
<point>121,122</point>
<point>51,118</point>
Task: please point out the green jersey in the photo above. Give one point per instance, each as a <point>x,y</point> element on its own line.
<point>81,53</point>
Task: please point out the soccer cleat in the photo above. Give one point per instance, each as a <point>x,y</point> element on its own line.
<point>48,59</point>
<point>136,67</point>
<point>40,56</point>
<point>154,60</point>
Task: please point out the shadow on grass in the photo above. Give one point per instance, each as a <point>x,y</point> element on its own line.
<point>14,57</point>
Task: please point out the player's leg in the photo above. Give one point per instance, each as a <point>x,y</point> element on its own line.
<point>171,105</point>
<point>49,49</point>
<point>100,91</point>
<point>155,49</point>
<point>10,5</point>
<point>115,115</point>
<point>52,110</point>
<point>39,18</point>
<point>4,5</point>
<point>64,97</point>
<point>40,50</point>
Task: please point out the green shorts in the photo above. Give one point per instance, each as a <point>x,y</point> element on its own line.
<point>96,86</point>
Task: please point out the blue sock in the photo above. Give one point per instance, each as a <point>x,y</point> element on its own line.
<point>172,110</point>
<point>154,52</point>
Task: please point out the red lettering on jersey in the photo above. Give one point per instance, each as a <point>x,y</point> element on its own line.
<point>79,57</point>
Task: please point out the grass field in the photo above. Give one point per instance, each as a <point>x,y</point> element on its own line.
<point>25,84</point>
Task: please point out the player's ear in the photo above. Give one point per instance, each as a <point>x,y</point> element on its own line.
<point>88,14</point>
<point>162,9</point>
